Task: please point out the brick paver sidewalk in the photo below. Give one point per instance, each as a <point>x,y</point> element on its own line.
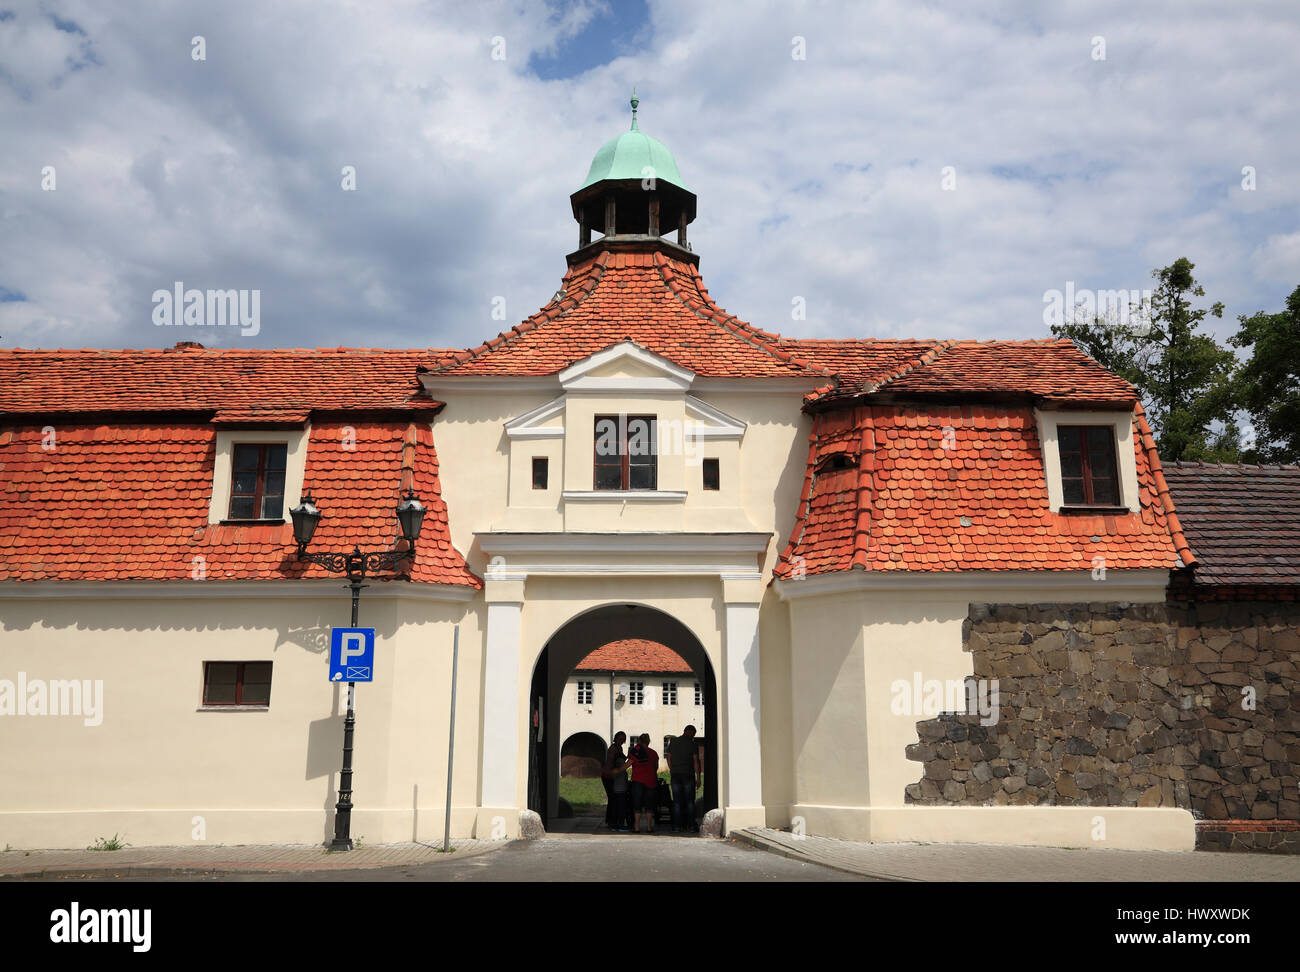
<point>274,857</point>
<point>996,862</point>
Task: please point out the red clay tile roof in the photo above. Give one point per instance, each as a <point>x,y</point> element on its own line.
<point>633,655</point>
<point>887,488</point>
<point>656,301</point>
<point>1241,521</point>
<point>1048,370</point>
<point>130,502</point>
<point>196,379</point>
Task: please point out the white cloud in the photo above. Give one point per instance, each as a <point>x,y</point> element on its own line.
<point>818,178</point>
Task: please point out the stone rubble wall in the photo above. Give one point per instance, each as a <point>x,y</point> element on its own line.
<point>1126,705</point>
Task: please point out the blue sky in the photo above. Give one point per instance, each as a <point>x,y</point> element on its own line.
<point>819,176</point>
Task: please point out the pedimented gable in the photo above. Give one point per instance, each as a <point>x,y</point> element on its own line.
<point>628,367</point>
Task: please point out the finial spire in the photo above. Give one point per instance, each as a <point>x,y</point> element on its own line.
<point>635,101</point>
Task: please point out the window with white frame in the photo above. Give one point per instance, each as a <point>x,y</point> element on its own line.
<point>1089,459</point>
<point>699,696</point>
<point>586,693</point>
<point>670,693</point>
<point>636,693</point>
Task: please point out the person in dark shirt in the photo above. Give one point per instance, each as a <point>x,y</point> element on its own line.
<point>683,771</point>
<point>614,775</point>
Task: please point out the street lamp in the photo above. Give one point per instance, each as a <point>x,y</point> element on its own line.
<point>356,565</point>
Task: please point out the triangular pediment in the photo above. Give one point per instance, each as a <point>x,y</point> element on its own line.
<point>625,367</point>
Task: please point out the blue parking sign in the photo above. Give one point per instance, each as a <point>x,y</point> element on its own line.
<point>352,654</point>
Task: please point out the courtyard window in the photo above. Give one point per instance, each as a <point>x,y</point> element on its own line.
<point>636,693</point>
<point>586,693</point>
<point>257,481</point>
<point>699,697</point>
<point>670,693</point>
<point>712,477</point>
<point>541,472</point>
<point>237,683</point>
<point>626,452</point>
<point>1088,471</point>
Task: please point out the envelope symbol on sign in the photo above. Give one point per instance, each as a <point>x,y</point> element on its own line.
<point>359,672</point>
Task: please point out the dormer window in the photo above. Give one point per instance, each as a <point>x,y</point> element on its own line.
<point>626,453</point>
<point>257,481</point>
<point>1089,476</point>
<point>1089,461</point>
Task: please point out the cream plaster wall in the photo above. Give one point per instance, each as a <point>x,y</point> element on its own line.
<point>158,760</point>
<point>855,636</point>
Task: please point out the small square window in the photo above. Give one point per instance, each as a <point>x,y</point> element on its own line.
<point>237,683</point>
<point>711,474</point>
<point>541,471</point>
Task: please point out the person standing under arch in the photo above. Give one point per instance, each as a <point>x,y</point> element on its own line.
<point>645,783</point>
<point>683,771</point>
<point>613,774</point>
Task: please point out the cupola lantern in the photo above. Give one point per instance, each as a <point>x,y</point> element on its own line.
<point>633,189</point>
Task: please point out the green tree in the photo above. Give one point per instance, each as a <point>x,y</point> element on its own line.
<point>1184,378</point>
<point>1268,382</point>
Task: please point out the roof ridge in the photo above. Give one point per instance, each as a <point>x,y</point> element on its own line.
<point>1184,552</point>
<point>549,312</point>
<point>925,359</point>
<point>725,320</point>
<point>865,491</point>
<point>1202,464</point>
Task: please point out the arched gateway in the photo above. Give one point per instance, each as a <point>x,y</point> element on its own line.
<point>575,641</point>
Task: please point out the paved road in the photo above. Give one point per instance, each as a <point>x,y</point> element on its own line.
<point>616,858</point>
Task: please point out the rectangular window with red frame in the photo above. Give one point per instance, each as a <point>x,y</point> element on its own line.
<point>1088,469</point>
<point>626,452</point>
<point>237,683</point>
<point>257,481</point>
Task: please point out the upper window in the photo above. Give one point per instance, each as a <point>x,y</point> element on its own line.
<point>699,696</point>
<point>626,452</point>
<point>670,693</point>
<point>237,683</point>
<point>711,476</point>
<point>585,693</point>
<point>257,481</point>
<point>636,693</point>
<point>1088,470</point>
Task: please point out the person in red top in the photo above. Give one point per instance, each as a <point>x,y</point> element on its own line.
<point>645,782</point>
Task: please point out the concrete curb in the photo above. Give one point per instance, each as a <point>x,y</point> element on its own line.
<point>764,843</point>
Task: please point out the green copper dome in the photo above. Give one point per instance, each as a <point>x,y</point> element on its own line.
<point>624,157</point>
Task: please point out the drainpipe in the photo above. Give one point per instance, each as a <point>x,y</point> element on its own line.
<point>611,708</point>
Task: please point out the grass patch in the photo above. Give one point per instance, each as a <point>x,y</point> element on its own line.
<point>587,796</point>
<point>108,844</point>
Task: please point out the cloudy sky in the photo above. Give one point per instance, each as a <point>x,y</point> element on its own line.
<point>1087,143</point>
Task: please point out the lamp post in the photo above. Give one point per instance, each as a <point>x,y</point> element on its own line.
<point>356,565</point>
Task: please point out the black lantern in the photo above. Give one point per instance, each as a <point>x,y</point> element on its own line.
<point>410,515</point>
<point>305,518</point>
